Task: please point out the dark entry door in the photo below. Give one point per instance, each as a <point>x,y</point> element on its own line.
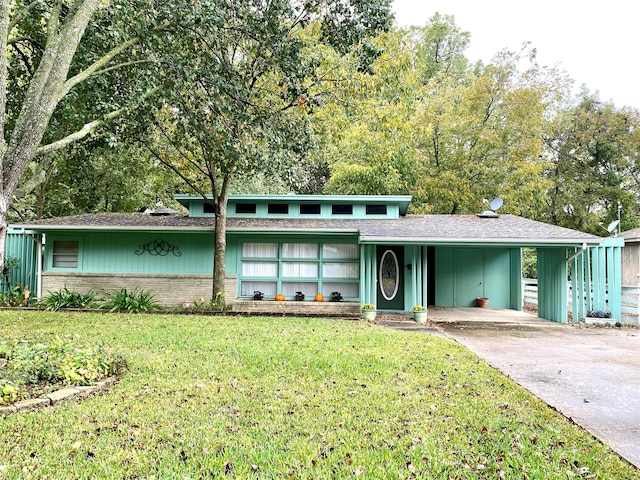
<point>390,277</point>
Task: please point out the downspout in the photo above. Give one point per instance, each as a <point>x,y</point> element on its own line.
<point>39,266</point>
<point>579,252</point>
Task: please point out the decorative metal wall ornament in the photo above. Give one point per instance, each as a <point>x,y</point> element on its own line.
<point>159,247</point>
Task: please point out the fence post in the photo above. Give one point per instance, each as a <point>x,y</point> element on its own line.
<point>637,297</point>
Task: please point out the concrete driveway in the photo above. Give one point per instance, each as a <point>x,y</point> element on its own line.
<point>591,375</point>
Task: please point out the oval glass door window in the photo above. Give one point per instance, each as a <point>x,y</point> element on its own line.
<point>389,275</point>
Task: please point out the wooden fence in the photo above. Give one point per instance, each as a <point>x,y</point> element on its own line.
<point>630,299</point>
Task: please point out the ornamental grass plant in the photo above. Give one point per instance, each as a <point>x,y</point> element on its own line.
<point>251,397</point>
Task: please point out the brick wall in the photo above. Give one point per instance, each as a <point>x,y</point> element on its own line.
<point>170,290</point>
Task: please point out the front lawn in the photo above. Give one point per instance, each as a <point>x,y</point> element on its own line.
<point>230,397</point>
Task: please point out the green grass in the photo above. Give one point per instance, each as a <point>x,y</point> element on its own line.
<point>232,397</point>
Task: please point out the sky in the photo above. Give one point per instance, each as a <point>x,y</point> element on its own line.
<point>596,43</point>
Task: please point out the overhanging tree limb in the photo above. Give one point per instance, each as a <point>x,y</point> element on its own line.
<point>97,65</point>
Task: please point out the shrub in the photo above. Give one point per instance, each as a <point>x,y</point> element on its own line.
<point>134,301</point>
<point>15,297</point>
<point>66,298</point>
<point>30,365</point>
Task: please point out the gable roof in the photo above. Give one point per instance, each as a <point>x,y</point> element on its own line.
<point>416,229</point>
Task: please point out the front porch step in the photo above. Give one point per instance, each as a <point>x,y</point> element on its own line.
<point>292,307</point>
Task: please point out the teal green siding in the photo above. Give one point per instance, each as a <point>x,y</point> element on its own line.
<point>464,274</point>
<point>25,248</point>
<point>552,284</point>
<point>124,252</point>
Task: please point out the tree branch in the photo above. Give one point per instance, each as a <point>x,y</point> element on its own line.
<point>24,15</point>
<point>96,66</point>
<point>79,135</point>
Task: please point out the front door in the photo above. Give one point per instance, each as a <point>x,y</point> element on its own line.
<point>390,277</point>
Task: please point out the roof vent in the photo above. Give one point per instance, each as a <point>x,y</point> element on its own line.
<point>496,203</point>
<point>163,212</point>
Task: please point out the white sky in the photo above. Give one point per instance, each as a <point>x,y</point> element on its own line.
<point>596,42</point>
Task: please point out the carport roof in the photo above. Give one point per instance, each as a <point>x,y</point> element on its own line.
<point>417,229</point>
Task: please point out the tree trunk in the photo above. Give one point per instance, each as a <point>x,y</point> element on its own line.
<point>219,259</point>
<point>4,208</point>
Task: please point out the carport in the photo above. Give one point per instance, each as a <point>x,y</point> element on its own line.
<point>451,260</point>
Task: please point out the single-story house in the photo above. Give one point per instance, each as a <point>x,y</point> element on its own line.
<point>368,248</point>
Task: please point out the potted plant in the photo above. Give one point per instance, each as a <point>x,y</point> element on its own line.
<point>598,316</point>
<point>419,313</point>
<point>299,296</point>
<point>369,311</point>
<point>258,295</point>
<point>336,297</point>
<point>482,302</point>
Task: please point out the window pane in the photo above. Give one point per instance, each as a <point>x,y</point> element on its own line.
<point>299,269</point>
<point>310,209</point>
<point>259,269</point>
<point>340,270</point>
<point>267,288</point>
<point>342,209</point>
<point>334,250</point>
<point>308,288</point>
<point>260,250</point>
<point>278,208</point>
<point>245,208</point>
<point>300,250</point>
<point>350,290</point>
<point>65,254</point>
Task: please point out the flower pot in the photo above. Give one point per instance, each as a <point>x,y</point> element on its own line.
<point>482,302</point>
<point>420,316</point>
<point>369,315</point>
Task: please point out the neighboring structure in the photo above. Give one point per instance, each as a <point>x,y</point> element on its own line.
<point>631,257</point>
<point>365,247</point>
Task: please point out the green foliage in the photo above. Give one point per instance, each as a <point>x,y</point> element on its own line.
<point>29,366</point>
<point>230,397</point>
<point>16,297</point>
<point>132,301</point>
<point>418,308</point>
<point>368,306</point>
<point>594,170</point>
<point>66,298</point>
<point>529,263</point>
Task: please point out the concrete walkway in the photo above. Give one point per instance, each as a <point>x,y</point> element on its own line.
<point>591,375</point>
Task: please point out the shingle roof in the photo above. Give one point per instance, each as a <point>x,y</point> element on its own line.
<point>408,229</point>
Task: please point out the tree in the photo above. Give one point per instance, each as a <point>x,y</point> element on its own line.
<point>58,58</point>
<point>593,148</point>
<point>239,105</point>
<point>430,124</point>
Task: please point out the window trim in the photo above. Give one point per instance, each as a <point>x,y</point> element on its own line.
<point>319,279</point>
<point>78,254</point>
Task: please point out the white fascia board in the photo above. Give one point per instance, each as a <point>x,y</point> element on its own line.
<point>481,241</point>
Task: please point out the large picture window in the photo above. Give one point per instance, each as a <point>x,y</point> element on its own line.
<point>65,254</point>
<point>300,267</point>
